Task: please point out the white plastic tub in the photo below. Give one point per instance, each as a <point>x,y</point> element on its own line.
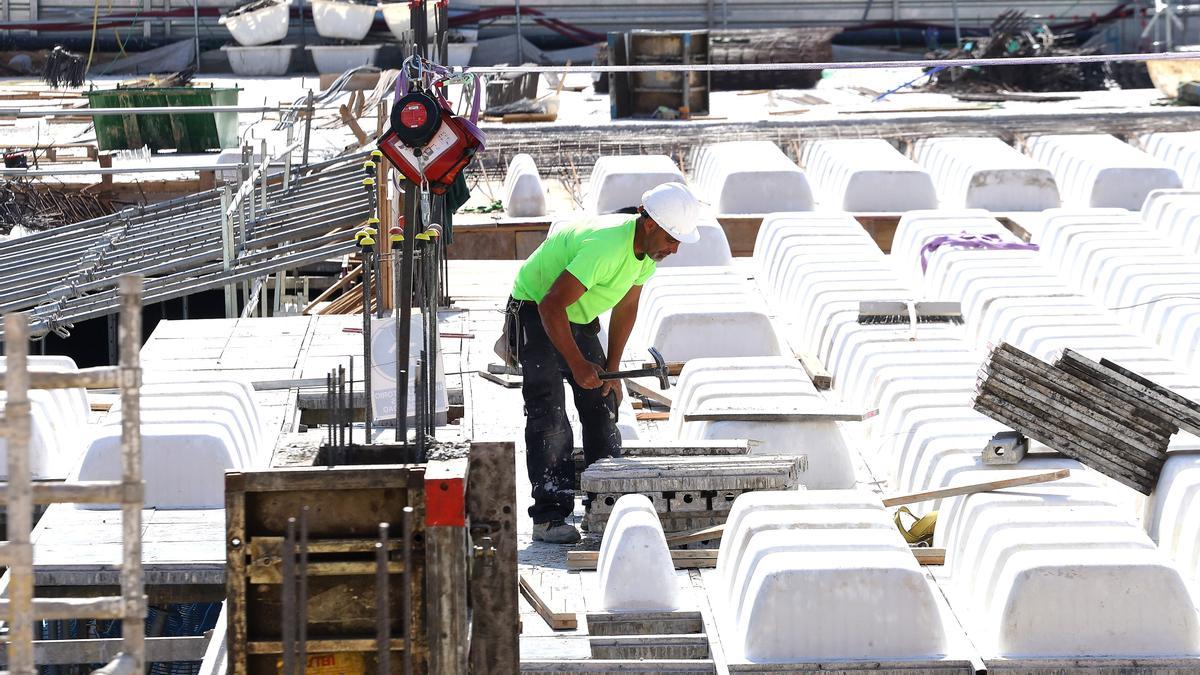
<point>260,27</point>
<point>340,58</point>
<point>264,61</point>
<point>398,17</point>
<point>342,20</point>
<point>460,53</point>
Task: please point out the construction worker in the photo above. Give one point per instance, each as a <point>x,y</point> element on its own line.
<point>581,271</point>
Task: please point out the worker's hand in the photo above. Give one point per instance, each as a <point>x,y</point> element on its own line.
<point>587,375</point>
<point>612,387</point>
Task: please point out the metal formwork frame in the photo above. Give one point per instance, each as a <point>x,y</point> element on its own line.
<point>21,609</point>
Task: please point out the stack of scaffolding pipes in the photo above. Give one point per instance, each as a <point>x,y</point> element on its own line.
<point>179,242</point>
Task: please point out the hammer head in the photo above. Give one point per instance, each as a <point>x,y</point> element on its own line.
<point>660,369</point>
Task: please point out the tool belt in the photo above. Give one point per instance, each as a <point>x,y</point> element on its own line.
<point>508,345</point>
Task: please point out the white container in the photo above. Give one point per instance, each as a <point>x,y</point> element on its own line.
<point>260,27</point>
<point>460,53</point>
<point>265,61</point>
<point>340,58</point>
<point>342,20</point>
<point>398,17</point>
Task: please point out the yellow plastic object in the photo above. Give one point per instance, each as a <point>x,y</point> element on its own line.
<point>367,229</point>
<point>921,529</point>
<point>396,234</point>
<point>376,154</point>
<point>368,182</point>
<point>424,236</point>
<point>368,164</point>
<point>366,240</point>
<point>372,221</point>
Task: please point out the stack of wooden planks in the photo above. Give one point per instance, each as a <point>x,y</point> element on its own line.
<point>1108,418</point>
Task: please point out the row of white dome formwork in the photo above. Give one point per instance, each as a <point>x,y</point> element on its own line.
<point>1078,574</point>
<point>872,175</point>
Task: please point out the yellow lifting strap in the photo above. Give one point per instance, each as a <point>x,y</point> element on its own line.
<point>921,529</point>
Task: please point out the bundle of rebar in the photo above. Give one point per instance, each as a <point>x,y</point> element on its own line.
<point>35,207</point>
<point>1085,411</point>
<point>64,69</point>
<point>1014,34</point>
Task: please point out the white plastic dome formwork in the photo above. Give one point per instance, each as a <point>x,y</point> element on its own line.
<point>694,312</point>
<point>1037,571</point>
<point>864,175</point>
<point>1142,277</point>
<point>737,383</point>
<point>1179,150</point>
<point>192,432</point>
<point>635,569</point>
<point>342,19</point>
<point>261,26</point>
<point>778,231</point>
<point>618,182</point>
<point>524,193</point>
<point>747,177</point>
<point>1097,170</point>
<point>820,576</point>
<point>985,173</point>
<point>58,422</point>
<point>1172,514</point>
<point>920,234</point>
<point>711,251</point>
<point>1175,215</point>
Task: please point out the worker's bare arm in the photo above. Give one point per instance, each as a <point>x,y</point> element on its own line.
<point>553,310</point>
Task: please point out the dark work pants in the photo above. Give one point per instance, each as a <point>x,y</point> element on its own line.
<point>548,439</point>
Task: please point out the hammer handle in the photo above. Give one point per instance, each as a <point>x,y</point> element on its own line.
<point>623,374</point>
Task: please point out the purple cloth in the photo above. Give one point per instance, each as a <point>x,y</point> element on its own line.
<point>966,240</point>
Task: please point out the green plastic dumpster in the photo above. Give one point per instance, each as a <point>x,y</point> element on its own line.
<point>192,132</point>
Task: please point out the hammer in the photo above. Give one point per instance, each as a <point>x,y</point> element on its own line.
<point>659,370</point>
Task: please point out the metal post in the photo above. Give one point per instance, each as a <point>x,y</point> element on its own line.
<point>400,365</point>
<point>263,166</point>
<point>383,622</point>
<point>227,253</point>
<point>368,266</point>
<point>288,601</point>
<point>308,115</point>
<point>406,596</point>
<point>248,178</point>
<point>196,31</point>
<point>20,496</point>
<point>520,46</point>
<point>957,25</point>
<point>302,594</point>
<point>412,219</point>
<point>287,160</point>
<point>133,623</point>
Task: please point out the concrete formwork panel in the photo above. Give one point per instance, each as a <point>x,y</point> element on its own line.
<point>746,177</point>
<point>58,422</point>
<point>617,182</point>
<point>1172,515</point>
<point>863,175</point>
<point>985,173</point>
<point>1097,170</point>
<point>918,229</point>
<point>524,193</point>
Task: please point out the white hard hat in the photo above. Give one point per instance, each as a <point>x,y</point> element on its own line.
<point>675,209</point>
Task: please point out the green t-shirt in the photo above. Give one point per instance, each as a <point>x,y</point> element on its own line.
<point>598,254</point>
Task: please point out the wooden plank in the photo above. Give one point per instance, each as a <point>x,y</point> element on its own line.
<point>972,488</point>
<point>703,534</point>
<point>664,666</point>
<point>689,559</point>
<point>495,620</point>
<point>814,414</point>
<point>674,368</point>
<point>556,620</point>
<point>821,378</point>
<point>637,387</point>
<point>670,448</point>
<point>652,416</point>
<point>102,650</point>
